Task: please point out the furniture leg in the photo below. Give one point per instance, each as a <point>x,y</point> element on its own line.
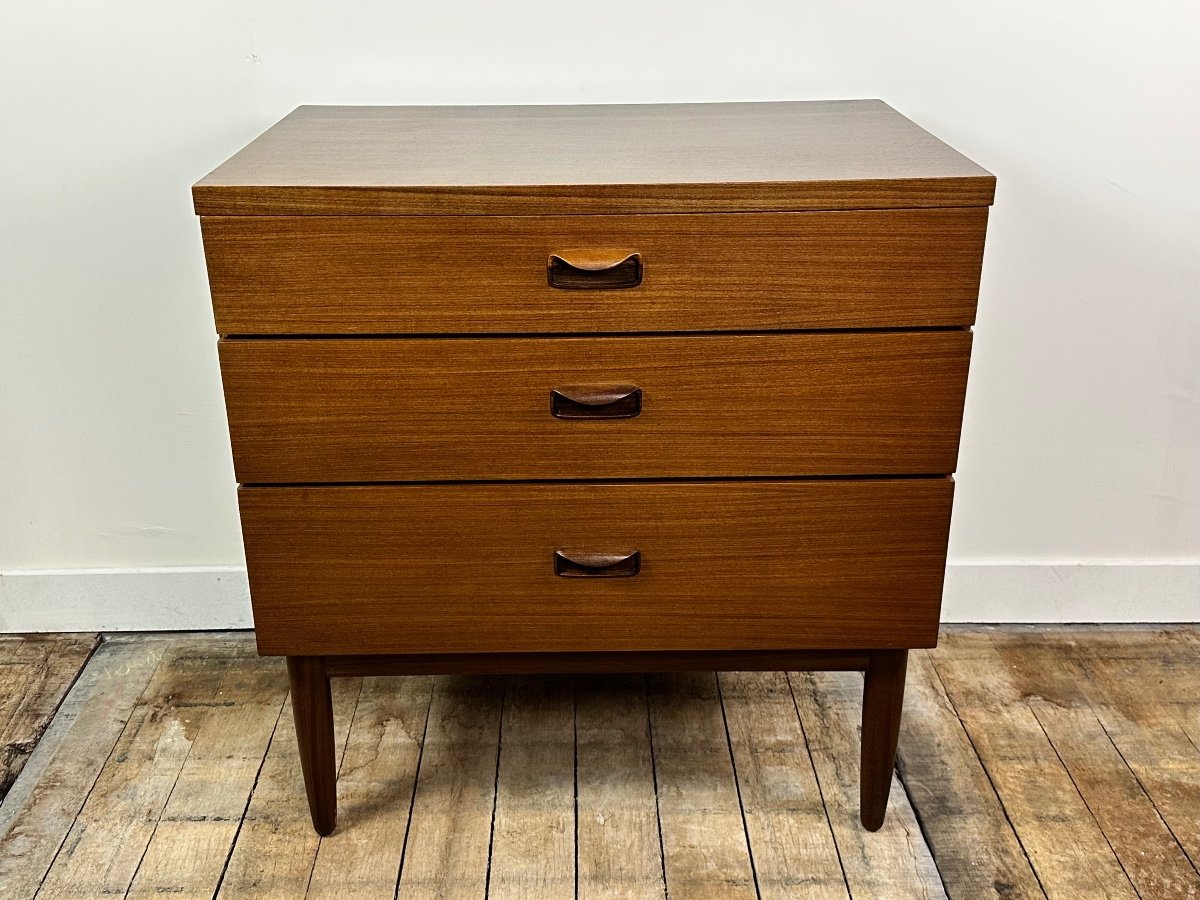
<point>883,699</point>
<point>312,708</point>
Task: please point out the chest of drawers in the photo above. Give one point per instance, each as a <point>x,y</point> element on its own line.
<point>532,389</point>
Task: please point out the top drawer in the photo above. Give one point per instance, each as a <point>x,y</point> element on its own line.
<point>493,274</point>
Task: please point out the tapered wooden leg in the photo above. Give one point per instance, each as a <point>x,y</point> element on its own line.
<point>312,707</point>
<point>883,698</point>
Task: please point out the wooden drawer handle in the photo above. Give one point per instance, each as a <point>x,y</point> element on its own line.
<point>613,401</point>
<point>594,270</point>
<point>597,565</point>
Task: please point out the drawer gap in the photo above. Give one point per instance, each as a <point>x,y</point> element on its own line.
<point>542,335</point>
<point>601,481</point>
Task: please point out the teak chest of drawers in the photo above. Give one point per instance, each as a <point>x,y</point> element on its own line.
<point>595,388</point>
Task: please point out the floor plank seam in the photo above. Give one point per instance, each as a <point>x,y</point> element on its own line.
<point>92,787</point>
<point>412,797</point>
<point>575,739</point>
<point>1188,737</point>
<point>167,799</point>
<point>249,796</point>
<point>12,751</point>
<point>1146,793</point>
<point>1083,799</point>
<point>991,782</point>
<point>312,869</point>
<point>487,882</point>
<point>26,796</point>
<point>787,676</point>
<point>104,825</point>
<point>737,786</point>
<point>921,827</point>
<point>662,851</point>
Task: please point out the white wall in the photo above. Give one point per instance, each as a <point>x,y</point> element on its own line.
<point>1082,440</point>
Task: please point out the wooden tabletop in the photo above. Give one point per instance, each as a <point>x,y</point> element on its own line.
<point>702,157</point>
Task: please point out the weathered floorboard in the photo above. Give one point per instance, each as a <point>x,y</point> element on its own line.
<point>786,821</point>
<point>361,859</point>
<point>1068,850</point>
<point>196,832</point>
<point>533,836</point>
<point>43,803</point>
<point>893,863</point>
<point>1113,703</point>
<point>1049,762</point>
<point>977,852</point>
<point>1145,847</point>
<point>620,856</point>
<point>276,848</point>
<point>1145,689</point>
<point>36,671</point>
<point>450,831</point>
<point>703,835</point>
<point>109,837</point>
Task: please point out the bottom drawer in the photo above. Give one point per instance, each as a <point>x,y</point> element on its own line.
<point>485,568</point>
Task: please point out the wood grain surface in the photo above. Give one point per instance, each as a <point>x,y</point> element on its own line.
<point>36,671</point>
<point>978,854</point>
<point>143,734</point>
<point>894,862</point>
<point>706,850</point>
<point>351,160</point>
<point>468,568</point>
<point>274,853</point>
<point>411,274</point>
<point>110,836</point>
<point>1117,709</point>
<point>533,850</point>
<point>616,804</point>
<point>57,781</point>
<point>1064,842</point>
<point>1145,696</point>
<point>786,820</point>
<point>450,827</point>
<point>441,409</point>
<point>189,851</point>
<point>377,776</point>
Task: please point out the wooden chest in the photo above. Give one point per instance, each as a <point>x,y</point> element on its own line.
<point>595,388</point>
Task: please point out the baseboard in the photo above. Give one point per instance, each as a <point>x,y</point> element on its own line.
<point>216,597</point>
<point>167,599</point>
<point>1072,592</point>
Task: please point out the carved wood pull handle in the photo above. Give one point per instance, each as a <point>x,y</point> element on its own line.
<point>597,565</point>
<point>594,270</point>
<point>612,401</point>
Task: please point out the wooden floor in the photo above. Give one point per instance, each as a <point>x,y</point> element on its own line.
<point>1058,763</point>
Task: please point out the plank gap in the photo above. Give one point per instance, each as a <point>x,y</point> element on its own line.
<point>820,790</point>
<point>737,786</point>
<point>249,798</point>
<point>412,800</point>
<point>926,663</point>
<point>487,883</point>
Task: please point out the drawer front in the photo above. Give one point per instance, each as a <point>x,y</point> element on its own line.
<point>721,565</point>
<point>471,274</point>
<point>718,405</point>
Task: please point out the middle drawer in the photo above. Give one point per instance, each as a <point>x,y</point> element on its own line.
<point>418,409</point>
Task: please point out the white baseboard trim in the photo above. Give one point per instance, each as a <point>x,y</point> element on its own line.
<point>1072,592</point>
<point>216,597</point>
<point>190,598</point>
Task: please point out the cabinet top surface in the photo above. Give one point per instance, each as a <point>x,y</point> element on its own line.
<point>380,160</point>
